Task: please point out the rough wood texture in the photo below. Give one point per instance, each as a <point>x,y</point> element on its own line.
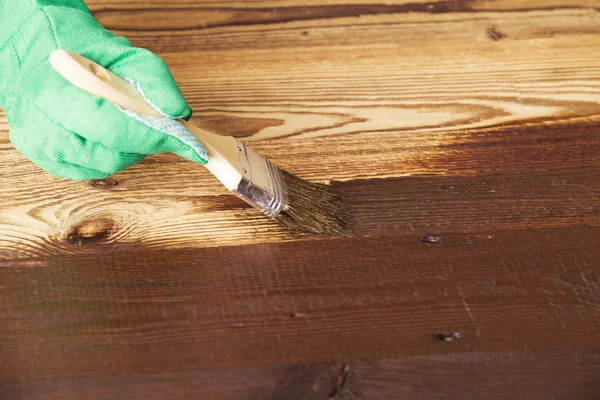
<point>465,135</point>
<point>521,374</point>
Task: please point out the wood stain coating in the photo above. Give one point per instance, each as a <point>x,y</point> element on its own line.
<point>464,136</point>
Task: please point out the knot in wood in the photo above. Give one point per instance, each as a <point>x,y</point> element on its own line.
<point>90,231</point>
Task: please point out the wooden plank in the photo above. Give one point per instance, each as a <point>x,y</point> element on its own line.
<point>288,303</point>
<point>397,6</point>
<point>550,374</point>
<point>511,179</point>
<point>200,18</point>
<point>464,135</point>
<point>375,25</point>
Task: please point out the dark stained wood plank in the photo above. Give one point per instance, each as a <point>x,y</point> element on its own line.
<point>287,303</point>
<point>550,374</point>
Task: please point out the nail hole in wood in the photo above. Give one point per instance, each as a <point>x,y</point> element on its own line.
<point>430,238</point>
<point>447,337</point>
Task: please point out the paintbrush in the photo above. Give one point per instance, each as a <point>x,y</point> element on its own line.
<point>300,205</point>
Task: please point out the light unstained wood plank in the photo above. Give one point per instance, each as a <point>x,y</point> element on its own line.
<point>417,86</point>
<point>171,30</point>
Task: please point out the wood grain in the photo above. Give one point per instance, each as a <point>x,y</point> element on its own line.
<point>465,137</point>
<point>288,303</point>
<point>512,179</point>
<point>133,5</point>
<point>527,375</point>
<point>441,105</point>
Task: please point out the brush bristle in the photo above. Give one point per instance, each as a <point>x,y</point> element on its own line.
<point>313,207</point>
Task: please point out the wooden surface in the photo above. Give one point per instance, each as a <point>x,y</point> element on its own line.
<point>466,138</point>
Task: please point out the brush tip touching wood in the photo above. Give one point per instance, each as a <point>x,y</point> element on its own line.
<point>313,207</point>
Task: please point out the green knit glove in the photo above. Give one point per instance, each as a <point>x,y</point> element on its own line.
<point>64,130</point>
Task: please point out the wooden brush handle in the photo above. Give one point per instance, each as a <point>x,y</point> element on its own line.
<point>93,78</point>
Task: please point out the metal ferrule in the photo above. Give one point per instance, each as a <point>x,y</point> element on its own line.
<point>260,185</point>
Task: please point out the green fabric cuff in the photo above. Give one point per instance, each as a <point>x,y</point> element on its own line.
<point>14,13</point>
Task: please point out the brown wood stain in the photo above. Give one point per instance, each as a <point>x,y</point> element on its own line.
<point>465,138</point>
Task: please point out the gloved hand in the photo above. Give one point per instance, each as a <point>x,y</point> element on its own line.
<point>64,130</point>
